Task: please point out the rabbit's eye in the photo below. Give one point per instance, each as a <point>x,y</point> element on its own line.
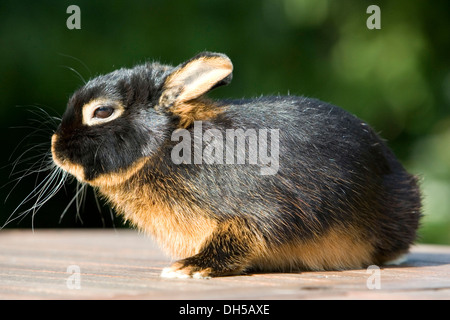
<point>103,112</point>
<point>100,111</point>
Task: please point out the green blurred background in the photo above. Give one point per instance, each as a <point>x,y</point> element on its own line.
<point>396,78</point>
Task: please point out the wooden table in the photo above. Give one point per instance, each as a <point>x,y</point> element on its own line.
<point>123,264</point>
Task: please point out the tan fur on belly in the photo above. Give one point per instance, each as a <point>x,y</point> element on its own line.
<point>338,249</point>
<point>169,225</point>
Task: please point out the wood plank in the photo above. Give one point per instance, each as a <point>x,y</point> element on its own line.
<point>124,264</point>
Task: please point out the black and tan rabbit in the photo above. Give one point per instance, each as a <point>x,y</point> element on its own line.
<point>237,186</point>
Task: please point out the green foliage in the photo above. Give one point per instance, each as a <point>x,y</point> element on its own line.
<point>396,78</point>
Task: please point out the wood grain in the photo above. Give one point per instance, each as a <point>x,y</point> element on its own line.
<point>123,264</point>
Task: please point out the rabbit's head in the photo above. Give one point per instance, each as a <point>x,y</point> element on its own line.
<point>116,122</point>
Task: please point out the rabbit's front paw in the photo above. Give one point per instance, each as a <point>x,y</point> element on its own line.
<point>182,270</point>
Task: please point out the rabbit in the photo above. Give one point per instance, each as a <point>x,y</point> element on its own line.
<point>333,197</point>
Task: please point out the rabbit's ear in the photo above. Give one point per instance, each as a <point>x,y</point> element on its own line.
<point>195,77</point>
